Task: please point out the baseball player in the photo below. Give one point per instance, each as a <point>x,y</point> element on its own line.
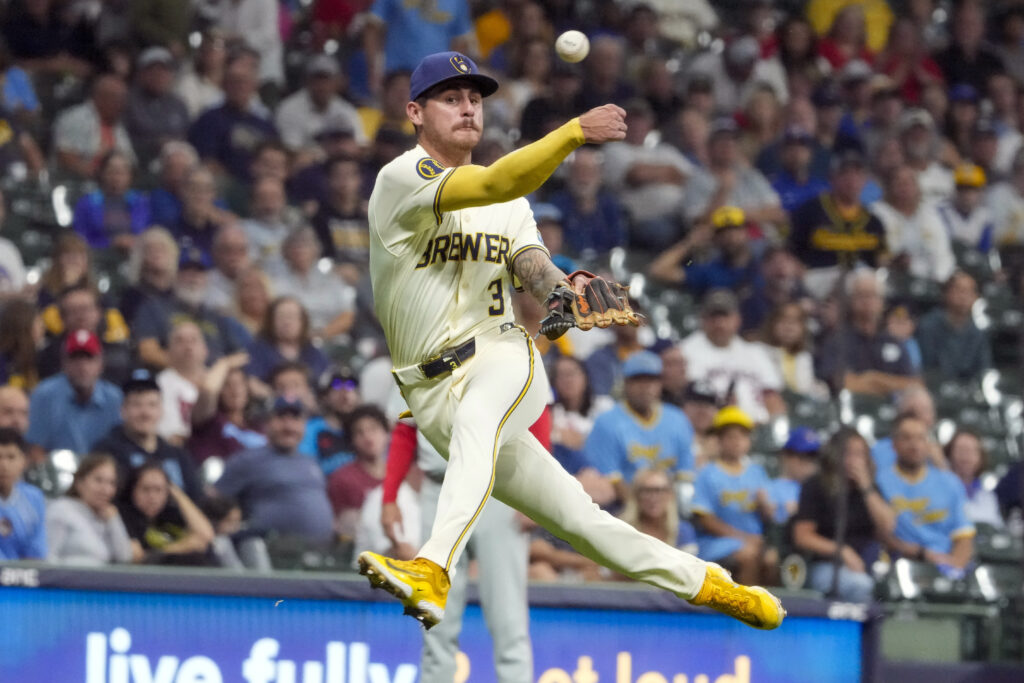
<point>448,240</point>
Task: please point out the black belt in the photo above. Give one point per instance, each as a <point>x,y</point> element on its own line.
<point>448,360</point>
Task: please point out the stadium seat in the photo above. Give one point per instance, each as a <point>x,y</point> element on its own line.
<point>997,546</point>
<point>909,580</point>
<point>818,414</point>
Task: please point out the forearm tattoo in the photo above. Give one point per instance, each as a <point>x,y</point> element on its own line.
<point>536,273</point>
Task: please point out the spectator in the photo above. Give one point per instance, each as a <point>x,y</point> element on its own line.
<point>42,42</point>
<point>868,518</point>
<point>968,221</point>
<point>13,409</point>
<point>543,114</point>
<point>396,36</point>
<point>731,500</point>
<point>967,59</point>
<point>794,183</point>
<point>17,94</point>
<point>152,270</point>
<point>279,490</point>
<point>930,504</point>
<point>79,308</point>
<point>13,276</point>
<point>308,187</point>
<point>528,77</point>
<point>227,135</point>
<point>739,371</point>
<point>573,413</point>
<point>641,430</point>
<point>592,217</point>
<point>341,222</point>
<point>21,333</point>
<point>165,527</point>
<point>846,39</point>
<point>914,233</point>
<point>1005,201</point>
<point>797,51</point>
<point>85,132</point>
<point>730,181</point>
<point>221,422</point>
<point>833,219</point>
<point>348,485</point>
<point>700,404</point>
<point>74,408</point>
<point>900,325</point>
<point>329,301</point>
<point>201,85</point>
<point>914,400</point>
<point>83,527</point>
<point>673,371</point>
<point>799,462</point>
<point>650,179</point>
<point>200,216</point>
<point>786,340</point>
<point>964,114</point>
<point>605,78</point>
<point>157,317</point>
<point>70,266</point>
<point>230,260</point>
<point>736,72</point>
<point>154,114</point>
<point>906,61</point>
<point>270,219</point>
<point>733,266</point>
<point>179,381</point>
<point>967,461</point>
<point>255,23</point>
<point>135,441</point>
<point>301,116</point>
<point>390,115</point>
<point>327,439</point>
<point>762,122</point>
<point>652,509</point>
<point>22,507</point>
<point>252,300</point>
<point>176,161</point>
<point>290,379</point>
<point>801,116</point>
<point>604,365</point>
<point>285,336</point>
<point>922,149</point>
<point>115,213</point>
<point>780,284</point>
<point>951,344</point>
<point>872,361</point>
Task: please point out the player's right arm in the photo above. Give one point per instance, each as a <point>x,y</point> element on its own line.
<point>523,171</point>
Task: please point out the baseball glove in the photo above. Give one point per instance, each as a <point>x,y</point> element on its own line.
<point>602,303</point>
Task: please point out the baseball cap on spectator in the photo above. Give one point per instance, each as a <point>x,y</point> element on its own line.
<point>140,380</point>
<point>881,86</point>
<point>854,71</point>
<point>827,95</point>
<point>730,416</point>
<point>964,92</point>
<point>546,213</point>
<point>442,67</point>
<point>335,126</point>
<point>743,50</point>
<point>286,405</point>
<point>700,392</point>
<point>82,342</point>
<point>720,302</point>
<point>194,257</point>
<point>797,135</point>
<point>985,127</point>
<point>723,125</point>
<point>322,65</point>
<point>847,157</point>
<point>802,441</point>
<point>728,217</point>
<point>155,55</point>
<point>916,117</point>
<point>642,364</point>
<point>969,175</point>
<point>338,378</point>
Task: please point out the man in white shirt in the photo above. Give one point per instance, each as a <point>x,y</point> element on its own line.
<point>179,383</point>
<point>302,115</point>
<point>739,372</point>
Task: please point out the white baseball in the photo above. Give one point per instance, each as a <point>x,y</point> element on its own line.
<point>572,46</point>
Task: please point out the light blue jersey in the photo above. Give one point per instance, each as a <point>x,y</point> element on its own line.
<point>931,510</point>
<point>732,498</point>
<point>884,454</point>
<point>417,29</point>
<point>622,442</point>
<point>23,524</point>
<point>784,493</point>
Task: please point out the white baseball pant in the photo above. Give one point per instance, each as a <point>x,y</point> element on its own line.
<point>478,416</point>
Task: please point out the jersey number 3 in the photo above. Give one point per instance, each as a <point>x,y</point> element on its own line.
<point>498,294</point>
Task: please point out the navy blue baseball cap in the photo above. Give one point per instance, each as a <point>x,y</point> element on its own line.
<point>441,67</point>
<point>288,405</point>
<point>802,441</point>
<point>194,257</point>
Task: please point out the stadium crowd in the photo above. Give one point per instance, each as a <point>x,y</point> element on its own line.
<point>819,206</point>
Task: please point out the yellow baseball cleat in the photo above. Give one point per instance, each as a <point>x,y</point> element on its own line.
<point>752,605</point>
<point>420,584</point>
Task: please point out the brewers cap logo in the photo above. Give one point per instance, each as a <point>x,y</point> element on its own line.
<point>460,64</point>
<point>429,168</point>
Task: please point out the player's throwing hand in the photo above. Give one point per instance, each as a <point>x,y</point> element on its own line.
<point>606,123</point>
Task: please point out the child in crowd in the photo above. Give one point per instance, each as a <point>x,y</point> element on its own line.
<point>22,508</point>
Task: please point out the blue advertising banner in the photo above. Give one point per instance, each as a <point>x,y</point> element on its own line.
<point>86,636</point>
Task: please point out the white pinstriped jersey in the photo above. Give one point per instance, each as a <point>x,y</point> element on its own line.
<point>439,278</point>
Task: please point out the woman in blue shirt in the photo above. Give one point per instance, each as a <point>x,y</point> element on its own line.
<point>112,215</point>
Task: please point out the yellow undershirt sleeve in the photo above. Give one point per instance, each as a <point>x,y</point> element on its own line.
<point>514,175</point>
